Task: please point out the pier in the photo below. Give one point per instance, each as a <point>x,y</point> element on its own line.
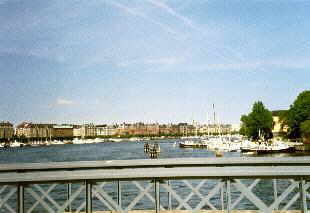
<point>175,185</point>
<point>153,150</point>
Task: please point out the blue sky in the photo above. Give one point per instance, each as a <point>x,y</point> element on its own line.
<point>107,61</point>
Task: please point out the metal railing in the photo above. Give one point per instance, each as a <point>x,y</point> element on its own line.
<point>194,184</point>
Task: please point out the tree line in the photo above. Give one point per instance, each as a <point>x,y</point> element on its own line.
<point>258,124</point>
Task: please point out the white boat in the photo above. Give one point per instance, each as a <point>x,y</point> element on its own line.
<point>135,139</point>
<point>248,146</point>
<point>274,148</point>
<point>116,139</point>
<point>265,148</point>
<point>193,144</point>
<point>99,140</point>
<point>89,141</point>
<point>56,142</point>
<point>15,144</point>
<point>78,141</point>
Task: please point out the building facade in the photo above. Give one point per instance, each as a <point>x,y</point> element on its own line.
<point>63,131</point>
<point>6,131</point>
<point>88,130</point>
<point>106,130</point>
<point>34,131</point>
<point>279,127</point>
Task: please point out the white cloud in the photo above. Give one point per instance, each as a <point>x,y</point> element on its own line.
<point>258,65</point>
<point>63,101</point>
<point>165,61</point>
<point>140,14</point>
<point>153,61</point>
<point>173,12</point>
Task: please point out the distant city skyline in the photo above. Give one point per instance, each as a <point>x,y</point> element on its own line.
<point>166,61</point>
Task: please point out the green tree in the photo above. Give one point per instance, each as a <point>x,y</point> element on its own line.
<point>298,113</point>
<point>257,123</point>
<point>305,130</point>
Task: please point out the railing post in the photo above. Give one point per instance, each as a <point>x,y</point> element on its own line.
<point>88,197</point>
<point>228,195</point>
<point>157,196</point>
<point>69,192</point>
<point>169,197</point>
<point>303,196</point>
<point>275,192</point>
<point>222,194</point>
<point>119,194</point>
<point>20,198</point>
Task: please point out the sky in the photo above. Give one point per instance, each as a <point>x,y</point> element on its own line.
<point>112,61</point>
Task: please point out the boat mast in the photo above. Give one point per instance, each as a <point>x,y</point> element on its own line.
<point>208,125</point>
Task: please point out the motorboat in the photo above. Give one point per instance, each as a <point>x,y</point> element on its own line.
<point>265,147</point>
<point>78,141</point>
<point>15,144</point>
<point>99,140</point>
<point>193,144</point>
<point>278,147</point>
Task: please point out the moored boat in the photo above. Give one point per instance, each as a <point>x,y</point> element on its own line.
<point>266,148</point>
<point>193,144</point>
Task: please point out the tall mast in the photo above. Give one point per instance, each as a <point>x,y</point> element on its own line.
<point>208,123</point>
<point>213,114</point>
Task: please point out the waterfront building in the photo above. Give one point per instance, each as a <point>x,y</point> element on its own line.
<point>278,128</point>
<point>152,129</point>
<point>215,129</point>
<point>186,129</point>
<point>6,131</point>
<point>34,131</point>
<point>63,131</point>
<point>106,130</point>
<point>169,129</point>
<point>144,129</point>
<point>137,129</point>
<point>235,127</point>
<point>77,131</point>
<point>88,130</point>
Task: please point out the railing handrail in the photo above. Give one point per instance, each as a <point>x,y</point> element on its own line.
<point>245,172</point>
<point>174,168</point>
<point>154,163</point>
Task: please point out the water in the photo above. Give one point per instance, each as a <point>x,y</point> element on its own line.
<point>108,151</point>
<point>131,150</point>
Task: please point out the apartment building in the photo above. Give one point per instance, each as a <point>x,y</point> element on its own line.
<point>63,131</point>
<point>106,130</point>
<point>34,131</point>
<point>88,130</point>
<point>6,131</point>
<point>278,126</point>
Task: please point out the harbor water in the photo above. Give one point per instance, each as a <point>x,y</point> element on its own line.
<point>124,150</point>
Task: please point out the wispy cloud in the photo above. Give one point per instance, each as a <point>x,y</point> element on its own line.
<point>140,14</point>
<point>174,13</point>
<point>258,65</point>
<point>64,101</point>
<point>203,31</point>
<point>153,61</point>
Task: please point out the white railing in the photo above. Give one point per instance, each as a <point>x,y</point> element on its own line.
<point>194,184</point>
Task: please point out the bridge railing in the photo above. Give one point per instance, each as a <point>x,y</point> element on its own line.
<point>175,184</point>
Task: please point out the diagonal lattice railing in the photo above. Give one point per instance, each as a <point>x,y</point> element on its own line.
<point>123,186</point>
